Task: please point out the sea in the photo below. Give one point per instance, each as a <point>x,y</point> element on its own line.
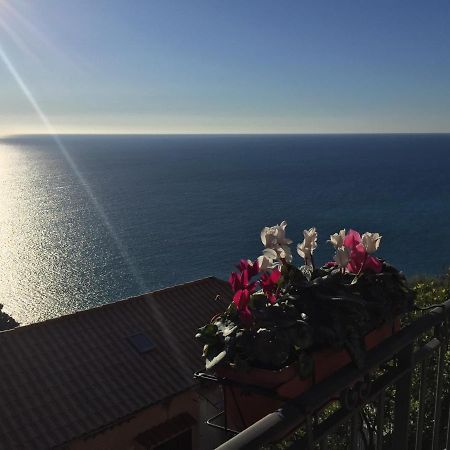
<point>87,220</point>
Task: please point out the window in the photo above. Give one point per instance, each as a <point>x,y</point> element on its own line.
<point>141,342</point>
<point>182,441</point>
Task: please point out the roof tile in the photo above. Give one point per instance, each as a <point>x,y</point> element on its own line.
<point>75,374</point>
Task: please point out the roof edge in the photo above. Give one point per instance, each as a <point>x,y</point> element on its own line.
<point>113,304</point>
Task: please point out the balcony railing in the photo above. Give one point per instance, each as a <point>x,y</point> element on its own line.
<point>399,400</point>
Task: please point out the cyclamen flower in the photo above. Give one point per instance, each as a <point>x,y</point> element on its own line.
<point>311,236</point>
<point>251,267</point>
<point>342,257</point>
<point>309,244</point>
<point>303,250</point>
<point>276,235</point>
<point>337,239</point>
<point>371,241</point>
<point>359,258</point>
<point>274,238</point>
<point>269,284</point>
<point>266,260</point>
<point>241,283</point>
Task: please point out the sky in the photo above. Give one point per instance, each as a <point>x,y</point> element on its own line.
<point>234,66</point>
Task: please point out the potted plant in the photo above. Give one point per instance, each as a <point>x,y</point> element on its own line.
<point>289,327</point>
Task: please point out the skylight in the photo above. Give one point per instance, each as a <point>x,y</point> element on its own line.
<point>141,342</point>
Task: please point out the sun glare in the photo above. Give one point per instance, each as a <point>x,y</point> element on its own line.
<point>23,87</point>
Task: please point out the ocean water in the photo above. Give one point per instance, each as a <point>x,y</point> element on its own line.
<point>107,217</point>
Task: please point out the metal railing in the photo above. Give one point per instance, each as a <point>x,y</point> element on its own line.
<point>398,400</point>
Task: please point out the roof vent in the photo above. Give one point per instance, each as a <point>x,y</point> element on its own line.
<point>141,342</point>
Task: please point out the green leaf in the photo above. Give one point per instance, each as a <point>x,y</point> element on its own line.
<point>210,363</point>
<point>228,329</point>
<point>258,301</point>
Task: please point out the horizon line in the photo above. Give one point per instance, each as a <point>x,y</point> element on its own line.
<point>226,133</point>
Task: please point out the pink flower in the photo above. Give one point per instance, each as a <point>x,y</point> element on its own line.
<point>241,283</point>
<point>352,239</point>
<point>269,284</point>
<point>251,267</point>
<point>359,258</point>
<point>373,264</point>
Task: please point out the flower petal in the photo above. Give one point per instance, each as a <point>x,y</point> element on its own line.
<point>352,239</point>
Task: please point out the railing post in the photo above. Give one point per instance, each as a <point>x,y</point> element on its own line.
<point>403,400</point>
<point>422,404</point>
<point>356,430</point>
<point>380,420</point>
<point>398,349</point>
<point>441,332</point>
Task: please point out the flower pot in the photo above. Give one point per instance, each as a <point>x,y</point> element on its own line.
<point>246,402</point>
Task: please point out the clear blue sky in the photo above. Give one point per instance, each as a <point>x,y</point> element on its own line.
<point>225,66</point>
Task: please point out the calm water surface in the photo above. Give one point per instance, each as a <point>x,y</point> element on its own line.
<point>117,216</point>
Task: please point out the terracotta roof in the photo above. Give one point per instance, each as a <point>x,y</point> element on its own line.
<point>70,376</point>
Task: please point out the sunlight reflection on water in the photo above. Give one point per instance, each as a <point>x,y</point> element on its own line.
<point>47,266</point>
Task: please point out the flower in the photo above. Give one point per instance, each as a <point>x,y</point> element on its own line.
<point>337,239</point>
<point>241,285</point>
<point>274,238</point>
<point>302,250</point>
<point>352,239</point>
<point>311,236</point>
<point>269,284</point>
<point>252,268</point>
<point>266,260</point>
<point>371,241</point>
<point>309,244</point>
<point>359,258</point>
<point>373,264</point>
<point>280,312</point>
<point>342,256</point>
<point>271,236</point>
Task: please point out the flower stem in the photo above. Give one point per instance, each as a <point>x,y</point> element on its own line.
<point>362,265</point>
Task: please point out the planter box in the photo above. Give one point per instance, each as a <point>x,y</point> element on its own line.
<point>244,406</point>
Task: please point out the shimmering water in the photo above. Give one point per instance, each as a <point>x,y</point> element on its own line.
<point>118,216</point>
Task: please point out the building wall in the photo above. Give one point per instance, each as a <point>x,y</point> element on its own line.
<point>196,403</point>
<point>121,436</point>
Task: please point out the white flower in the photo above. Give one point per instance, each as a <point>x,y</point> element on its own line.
<point>309,244</point>
<point>269,236</point>
<point>264,263</point>
<point>270,253</point>
<point>266,260</point>
<point>284,252</point>
<point>310,238</point>
<point>342,256</point>
<point>303,250</point>
<point>282,239</point>
<point>274,238</point>
<point>371,241</point>
<point>337,239</point>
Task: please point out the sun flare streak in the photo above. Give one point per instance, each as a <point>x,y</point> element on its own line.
<point>52,132</point>
<point>28,38</point>
<point>18,41</point>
